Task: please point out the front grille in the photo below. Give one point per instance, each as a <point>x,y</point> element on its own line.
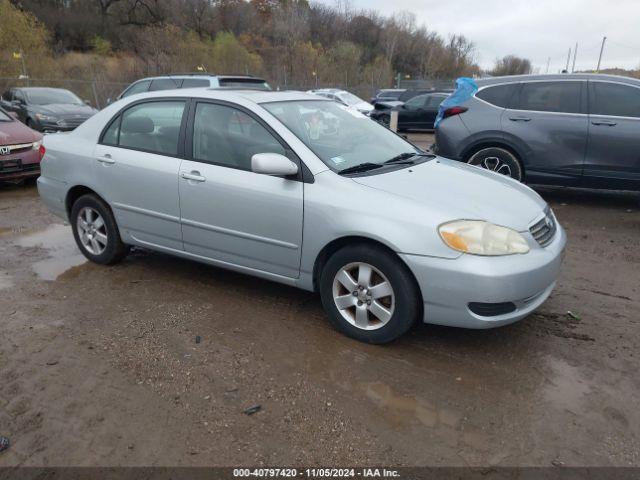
<point>544,230</point>
<point>22,147</point>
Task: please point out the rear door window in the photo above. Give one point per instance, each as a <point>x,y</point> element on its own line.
<point>165,84</point>
<point>498,95</point>
<point>559,97</point>
<point>151,127</point>
<point>614,99</point>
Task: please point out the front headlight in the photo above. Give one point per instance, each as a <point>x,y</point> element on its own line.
<point>482,238</point>
<point>46,118</point>
<point>36,145</point>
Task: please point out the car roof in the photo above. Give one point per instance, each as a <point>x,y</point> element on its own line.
<point>557,76</point>
<point>234,95</point>
<point>200,75</point>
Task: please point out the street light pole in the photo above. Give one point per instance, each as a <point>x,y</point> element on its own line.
<point>604,39</point>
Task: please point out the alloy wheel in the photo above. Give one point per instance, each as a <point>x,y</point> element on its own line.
<point>363,296</point>
<point>92,231</point>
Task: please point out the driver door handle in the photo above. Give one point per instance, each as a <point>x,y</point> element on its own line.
<point>520,119</point>
<point>606,123</point>
<point>193,176</point>
<point>106,158</point>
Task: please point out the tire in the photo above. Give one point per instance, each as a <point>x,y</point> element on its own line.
<point>99,241</point>
<point>498,160</point>
<point>402,308</point>
<point>385,120</point>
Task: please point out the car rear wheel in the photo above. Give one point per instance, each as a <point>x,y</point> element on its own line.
<point>498,160</point>
<point>95,231</point>
<point>369,294</point>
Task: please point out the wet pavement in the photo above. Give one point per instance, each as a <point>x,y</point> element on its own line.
<point>100,365</point>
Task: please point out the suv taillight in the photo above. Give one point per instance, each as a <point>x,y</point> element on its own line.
<point>450,112</point>
<point>42,151</point>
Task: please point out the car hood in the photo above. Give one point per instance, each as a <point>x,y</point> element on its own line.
<point>362,107</point>
<point>64,109</point>
<point>389,104</point>
<point>12,133</point>
<point>460,191</point>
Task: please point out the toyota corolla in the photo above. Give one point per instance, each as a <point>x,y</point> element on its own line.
<point>255,182</point>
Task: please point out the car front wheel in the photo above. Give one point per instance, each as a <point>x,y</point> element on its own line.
<point>369,294</point>
<point>498,160</point>
<point>95,231</point>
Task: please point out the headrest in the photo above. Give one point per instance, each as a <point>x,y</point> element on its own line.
<point>137,125</point>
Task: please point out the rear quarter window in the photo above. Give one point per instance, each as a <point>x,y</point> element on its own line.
<point>165,84</point>
<point>498,95</point>
<point>195,83</point>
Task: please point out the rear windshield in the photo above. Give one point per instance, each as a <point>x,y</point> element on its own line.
<point>256,83</point>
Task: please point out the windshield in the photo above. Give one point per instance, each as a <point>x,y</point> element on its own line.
<point>47,96</point>
<point>349,98</point>
<point>340,137</point>
<point>4,117</point>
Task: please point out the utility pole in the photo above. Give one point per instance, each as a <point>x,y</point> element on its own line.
<point>604,39</point>
<point>566,70</point>
<point>548,61</point>
<point>575,54</point>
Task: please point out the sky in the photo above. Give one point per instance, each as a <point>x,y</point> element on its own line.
<point>534,29</point>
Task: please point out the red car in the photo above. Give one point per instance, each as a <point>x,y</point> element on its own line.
<point>20,149</point>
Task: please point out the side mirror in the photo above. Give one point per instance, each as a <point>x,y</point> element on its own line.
<point>273,164</point>
<point>87,102</point>
<point>109,101</point>
<point>13,115</point>
<point>17,103</point>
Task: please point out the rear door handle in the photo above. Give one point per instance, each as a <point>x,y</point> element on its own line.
<point>193,176</point>
<point>520,119</point>
<point>606,123</point>
<point>106,158</point>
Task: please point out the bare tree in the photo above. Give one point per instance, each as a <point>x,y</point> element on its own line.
<point>511,65</point>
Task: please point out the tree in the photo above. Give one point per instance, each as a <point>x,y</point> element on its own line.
<point>511,65</point>
<point>21,34</point>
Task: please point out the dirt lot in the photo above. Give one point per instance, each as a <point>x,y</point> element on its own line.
<point>100,365</point>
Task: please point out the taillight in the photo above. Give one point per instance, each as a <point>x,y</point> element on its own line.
<point>450,112</point>
<point>42,151</point>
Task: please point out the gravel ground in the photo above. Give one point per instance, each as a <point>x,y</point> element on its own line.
<point>100,365</point>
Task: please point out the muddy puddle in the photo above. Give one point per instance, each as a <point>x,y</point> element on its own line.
<point>62,252</point>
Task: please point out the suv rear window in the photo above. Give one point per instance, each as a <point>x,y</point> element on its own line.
<point>561,97</point>
<point>499,95</point>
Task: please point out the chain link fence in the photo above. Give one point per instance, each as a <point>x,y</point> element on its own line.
<point>98,92</point>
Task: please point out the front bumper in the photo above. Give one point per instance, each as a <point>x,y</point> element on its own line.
<point>448,286</point>
<point>16,166</point>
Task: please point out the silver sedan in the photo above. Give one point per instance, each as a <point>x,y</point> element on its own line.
<point>303,191</point>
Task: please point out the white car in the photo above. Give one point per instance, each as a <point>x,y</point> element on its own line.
<point>345,98</point>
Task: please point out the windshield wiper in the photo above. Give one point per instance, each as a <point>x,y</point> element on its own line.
<point>363,167</point>
<point>403,157</point>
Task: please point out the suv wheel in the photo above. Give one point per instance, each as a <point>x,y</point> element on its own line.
<point>95,231</point>
<point>498,160</point>
<point>369,294</point>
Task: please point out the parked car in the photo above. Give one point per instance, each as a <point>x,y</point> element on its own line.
<point>573,130</point>
<point>47,109</point>
<point>347,99</point>
<point>193,80</point>
<point>251,181</point>
<point>19,149</point>
<point>419,113</point>
<point>386,95</point>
